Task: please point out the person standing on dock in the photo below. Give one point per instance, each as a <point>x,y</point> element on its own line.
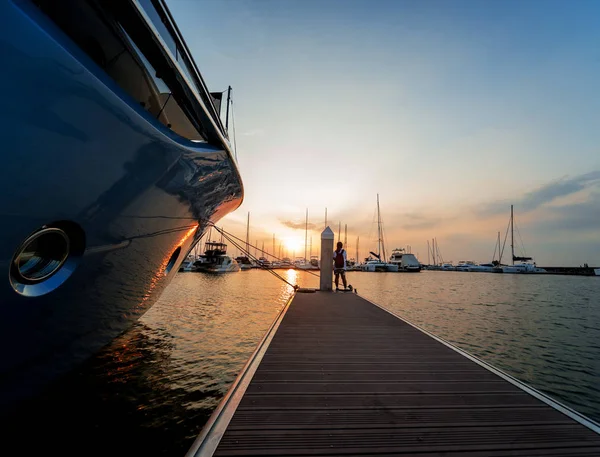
<point>339,262</point>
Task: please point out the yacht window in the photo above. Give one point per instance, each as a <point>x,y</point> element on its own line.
<point>158,23</point>
<point>167,110</point>
<point>164,29</point>
<point>106,42</point>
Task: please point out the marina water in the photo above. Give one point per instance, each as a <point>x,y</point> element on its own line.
<point>151,391</point>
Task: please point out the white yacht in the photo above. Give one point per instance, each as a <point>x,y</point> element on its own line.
<point>482,268</point>
<point>188,263</point>
<point>373,265</point>
<point>263,262</point>
<point>407,262</point>
<point>523,267</point>
<point>216,260</point>
<point>244,262</point>
<point>464,265</point>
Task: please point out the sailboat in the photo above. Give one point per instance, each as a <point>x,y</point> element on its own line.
<point>524,264</point>
<point>303,263</point>
<point>244,262</point>
<point>377,262</point>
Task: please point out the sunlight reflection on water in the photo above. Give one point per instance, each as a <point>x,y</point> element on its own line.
<point>155,386</point>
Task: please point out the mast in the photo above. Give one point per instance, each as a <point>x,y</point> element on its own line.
<point>499,253</point>
<point>345,235</point>
<point>306,235</point>
<point>512,234</point>
<point>325,218</point>
<point>227,112</point>
<point>428,253</point>
<point>273,245</point>
<point>248,235</point>
<point>357,257</point>
<point>263,248</point>
<point>378,230</point>
<point>383,242</point>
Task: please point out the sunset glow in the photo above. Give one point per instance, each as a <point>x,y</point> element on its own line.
<point>451,111</point>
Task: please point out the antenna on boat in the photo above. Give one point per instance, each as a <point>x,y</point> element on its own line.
<point>357,240</point>
<point>227,111</point>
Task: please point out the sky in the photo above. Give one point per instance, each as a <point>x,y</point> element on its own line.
<point>451,111</point>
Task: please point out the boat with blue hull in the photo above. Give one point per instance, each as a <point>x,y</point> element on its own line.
<point>114,163</point>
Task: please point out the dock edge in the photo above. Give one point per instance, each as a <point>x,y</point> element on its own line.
<point>570,412</point>
<point>210,436</point>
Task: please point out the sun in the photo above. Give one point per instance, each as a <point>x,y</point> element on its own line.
<point>292,244</point>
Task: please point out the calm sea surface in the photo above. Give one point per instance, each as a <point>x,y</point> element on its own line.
<point>153,389</point>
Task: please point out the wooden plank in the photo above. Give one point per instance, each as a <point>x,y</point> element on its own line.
<point>343,377</point>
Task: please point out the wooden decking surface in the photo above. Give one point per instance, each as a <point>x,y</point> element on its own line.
<point>343,377</point>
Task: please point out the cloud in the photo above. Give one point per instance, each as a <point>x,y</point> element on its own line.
<point>580,217</point>
<point>545,194</point>
<point>299,225</point>
<point>415,221</point>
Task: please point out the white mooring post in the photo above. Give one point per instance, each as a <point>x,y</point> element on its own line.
<point>326,259</point>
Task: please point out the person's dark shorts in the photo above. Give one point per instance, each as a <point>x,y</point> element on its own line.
<point>339,271</point>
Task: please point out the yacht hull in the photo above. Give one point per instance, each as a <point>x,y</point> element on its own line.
<point>75,148</point>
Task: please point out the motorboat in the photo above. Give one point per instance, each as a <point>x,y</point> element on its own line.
<point>523,267</point>
<point>116,164</point>
<point>244,262</point>
<point>263,262</point>
<point>482,268</point>
<point>407,262</point>
<point>188,264</point>
<point>376,265</point>
<point>216,260</point>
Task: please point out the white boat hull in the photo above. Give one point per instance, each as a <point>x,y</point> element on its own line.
<point>524,268</point>
<point>231,268</point>
<point>380,266</point>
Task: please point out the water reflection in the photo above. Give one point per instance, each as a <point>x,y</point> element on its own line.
<point>151,392</point>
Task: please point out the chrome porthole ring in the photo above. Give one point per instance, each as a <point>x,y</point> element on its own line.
<point>46,259</point>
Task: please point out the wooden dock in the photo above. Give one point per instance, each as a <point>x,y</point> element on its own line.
<point>338,375</point>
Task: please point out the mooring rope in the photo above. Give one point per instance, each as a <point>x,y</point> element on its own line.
<point>232,239</point>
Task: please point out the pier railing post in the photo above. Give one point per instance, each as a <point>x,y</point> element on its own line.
<point>326,259</point>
